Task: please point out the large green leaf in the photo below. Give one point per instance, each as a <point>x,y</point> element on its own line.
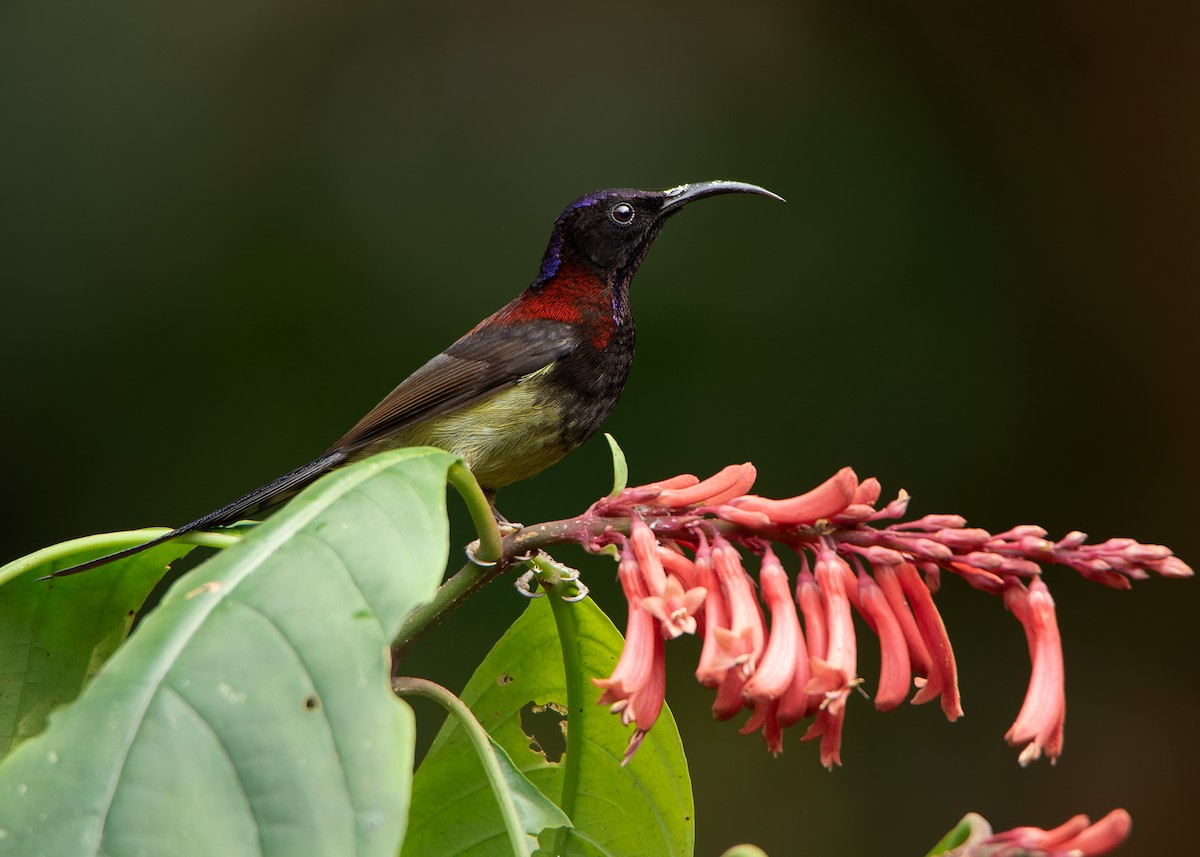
<point>250,712</point>
<point>55,634</point>
<point>644,808</point>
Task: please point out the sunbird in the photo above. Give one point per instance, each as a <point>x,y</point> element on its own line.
<point>526,385</point>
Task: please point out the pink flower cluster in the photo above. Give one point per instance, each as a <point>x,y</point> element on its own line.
<point>681,568</point>
<point>1078,837</point>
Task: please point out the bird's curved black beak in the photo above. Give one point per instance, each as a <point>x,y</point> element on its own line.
<point>677,197</point>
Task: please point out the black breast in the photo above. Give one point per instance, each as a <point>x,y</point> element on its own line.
<point>588,381</point>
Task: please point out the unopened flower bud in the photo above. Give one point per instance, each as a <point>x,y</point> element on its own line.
<point>730,482</point>
<point>868,491</point>
<point>898,508</point>
<point>1142,554</point>
<point>1021,531</point>
<point>826,500</point>
<point>968,538</point>
<point>1071,540</point>
<point>742,517</point>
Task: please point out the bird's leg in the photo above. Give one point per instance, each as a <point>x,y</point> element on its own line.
<point>503,526</point>
<point>507,527</point>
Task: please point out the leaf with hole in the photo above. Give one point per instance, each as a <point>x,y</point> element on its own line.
<point>644,808</point>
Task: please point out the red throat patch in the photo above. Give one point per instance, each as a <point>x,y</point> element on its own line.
<point>574,296</point>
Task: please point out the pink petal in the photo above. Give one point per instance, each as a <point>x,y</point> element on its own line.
<point>729,699</point>
<point>765,718</point>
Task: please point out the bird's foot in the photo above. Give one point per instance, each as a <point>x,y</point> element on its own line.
<point>471,551</point>
<point>581,592</point>
<point>557,572</point>
<point>527,585</point>
<point>507,528</point>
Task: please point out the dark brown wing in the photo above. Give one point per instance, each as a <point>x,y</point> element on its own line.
<point>480,364</point>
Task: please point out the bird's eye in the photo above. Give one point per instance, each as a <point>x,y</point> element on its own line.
<point>622,213</point>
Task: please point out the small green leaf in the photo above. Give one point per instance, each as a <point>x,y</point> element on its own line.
<point>972,827</point>
<point>55,634</point>
<point>251,713</point>
<point>620,466</point>
<point>644,808</point>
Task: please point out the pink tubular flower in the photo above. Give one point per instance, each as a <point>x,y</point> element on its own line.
<point>734,480</point>
<point>645,551</point>
<point>646,703</point>
<point>674,607</point>
<point>895,670</point>
<point>743,641</point>
<point>636,664</point>
<point>1078,837</point>
<point>710,670</point>
<point>803,662</point>
<point>784,645</point>
<point>1039,725</point>
<point>937,641</point>
<point>824,501</point>
<point>836,674</point>
<point>797,703</point>
<point>840,663</point>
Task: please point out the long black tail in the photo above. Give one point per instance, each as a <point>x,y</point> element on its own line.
<point>271,494</point>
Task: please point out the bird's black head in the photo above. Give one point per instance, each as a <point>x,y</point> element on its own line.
<point>611,230</point>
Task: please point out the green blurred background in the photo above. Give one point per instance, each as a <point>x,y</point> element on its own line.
<point>227,229</point>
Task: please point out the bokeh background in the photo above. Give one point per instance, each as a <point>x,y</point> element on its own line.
<point>227,229</point>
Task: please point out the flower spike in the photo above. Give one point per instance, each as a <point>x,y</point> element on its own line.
<point>802,663</point>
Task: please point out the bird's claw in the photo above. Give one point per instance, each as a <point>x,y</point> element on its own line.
<point>566,574</point>
<point>526,585</point>
<point>581,592</point>
<point>471,550</point>
<point>507,528</point>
